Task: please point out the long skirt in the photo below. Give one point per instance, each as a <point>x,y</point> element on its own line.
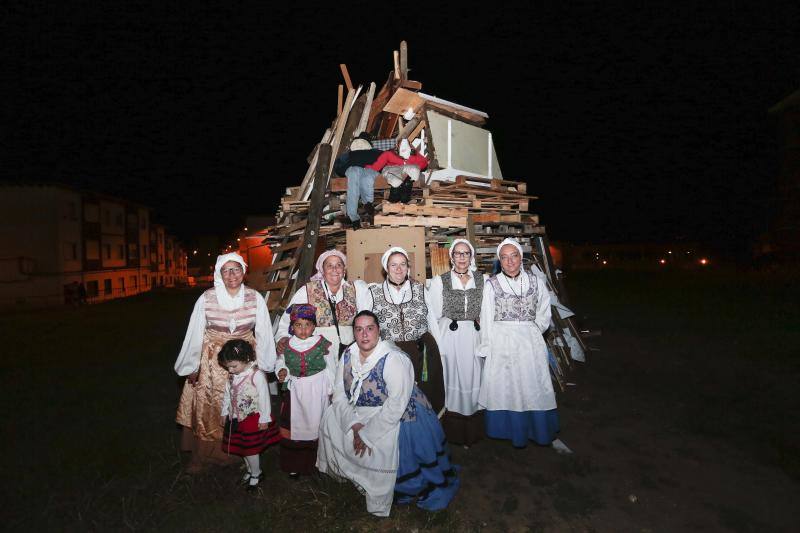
<point>460,429</point>
<point>243,438</point>
<point>200,407</point>
<point>425,472</point>
<point>298,456</point>
<point>428,371</point>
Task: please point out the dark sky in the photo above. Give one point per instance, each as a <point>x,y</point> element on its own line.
<point>646,124</point>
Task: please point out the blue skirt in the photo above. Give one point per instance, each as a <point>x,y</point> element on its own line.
<point>519,427</point>
<point>425,471</point>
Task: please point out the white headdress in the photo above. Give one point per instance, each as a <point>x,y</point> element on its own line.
<point>228,302</point>
<point>472,265</point>
<point>389,252</point>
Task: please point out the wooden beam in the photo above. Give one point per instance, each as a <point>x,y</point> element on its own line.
<point>362,123</point>
<point>437,222</point>
<point>403,60</point>
<point>396,56</point>
<point>311,234</point>
<point>411,84</point>
<point>346,76</point>
<point>339,104</point>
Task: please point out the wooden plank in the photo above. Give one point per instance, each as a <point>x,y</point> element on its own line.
<point>403,60</point>
<point>440,259</point>
<point>402,100</point>
<point>280,265</point>
<point>362,123</point>
<point>471,229</point>
<point>410,84</point>
<point>284,247</point>
<point>379,101</point>
<point>422,210</point>
<point>300,190</point>
<point>482,218</point>
<point>276,285</point>
<point>346,76</point>
<point>396,59</point>
<point>441,222</point>
<point>416,131</point>
<point>408,128</point>
<point>309,240</point>
<point>290,228</point>
<point>340,184</point>
<point>339,101</point>
<point>341,121</point>
<point>350,126</point>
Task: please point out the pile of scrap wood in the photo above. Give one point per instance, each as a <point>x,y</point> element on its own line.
<point>447,201</point>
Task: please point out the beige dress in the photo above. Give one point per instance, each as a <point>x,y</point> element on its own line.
<point>200,406</point>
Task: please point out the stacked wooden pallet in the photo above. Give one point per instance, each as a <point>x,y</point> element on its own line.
<point>484,210</point>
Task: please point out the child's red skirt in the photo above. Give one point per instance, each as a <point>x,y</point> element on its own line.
<point>243,437</point>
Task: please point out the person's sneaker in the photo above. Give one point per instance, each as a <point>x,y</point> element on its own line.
<point>254,482</point>
<point>294,475</point>
<point>355,224</point>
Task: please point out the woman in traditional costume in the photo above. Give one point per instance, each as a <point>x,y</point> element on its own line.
<point>306,369</point>
<point>381,432</point>
<point>336,300</point>
<point>405,318</point>
<point>229,310</point>
<point>516,390</point>
<point>455,300</point>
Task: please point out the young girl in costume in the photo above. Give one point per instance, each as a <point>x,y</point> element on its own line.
<point>246,412</point>
<point>306,368</point>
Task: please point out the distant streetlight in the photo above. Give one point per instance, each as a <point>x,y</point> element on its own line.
<point>605,262</point>
<point>663,261</point>
<point>704,261</point>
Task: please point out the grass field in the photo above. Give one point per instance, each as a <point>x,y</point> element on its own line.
<point>685,419</point>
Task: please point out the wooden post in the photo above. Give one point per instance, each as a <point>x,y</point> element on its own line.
<point>340,100</point>
<point>306,262</point>
<point>346,76</point>
<point>403,60</point>
<point>396,56</point>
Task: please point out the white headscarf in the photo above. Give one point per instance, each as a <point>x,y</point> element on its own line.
<point>512,242</point>
<point>360,370</point>
<point>472,266</point>
<point>225,300</point>
<point>321,259</point>
<point>389,252</point>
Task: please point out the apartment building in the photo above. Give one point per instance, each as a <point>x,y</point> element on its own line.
<point>58,244</point>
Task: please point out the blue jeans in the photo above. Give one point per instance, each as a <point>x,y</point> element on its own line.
<point>360,184</point>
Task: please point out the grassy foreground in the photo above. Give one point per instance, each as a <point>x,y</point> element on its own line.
<point>696,370</point>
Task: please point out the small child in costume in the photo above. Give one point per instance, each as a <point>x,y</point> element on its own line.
<point>306,369</point>
<point>246,411</point>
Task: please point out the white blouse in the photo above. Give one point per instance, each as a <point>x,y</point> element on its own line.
<point>189,357</point>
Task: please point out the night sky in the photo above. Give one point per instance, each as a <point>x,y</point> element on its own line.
<point>645,125</point>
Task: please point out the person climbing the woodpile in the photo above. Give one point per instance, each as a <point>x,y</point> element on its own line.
<point>335,299</point>
<point>516,389</point>
<point>401,168</point>
<point>355,164</point>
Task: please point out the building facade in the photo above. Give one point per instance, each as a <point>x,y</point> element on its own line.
<point>60,246</point>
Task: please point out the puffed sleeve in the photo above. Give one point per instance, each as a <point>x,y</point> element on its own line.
<point>487,320</point>
<point>265,345</point>
<point>264,407</point>
<point>433,301</point>
<point>345,413</point>
<point>363,295</point>
<point>300,297</point>
<point>189,357</point>
<point>330,369</point>
<point>398,373</point>
<point>543,310</point>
